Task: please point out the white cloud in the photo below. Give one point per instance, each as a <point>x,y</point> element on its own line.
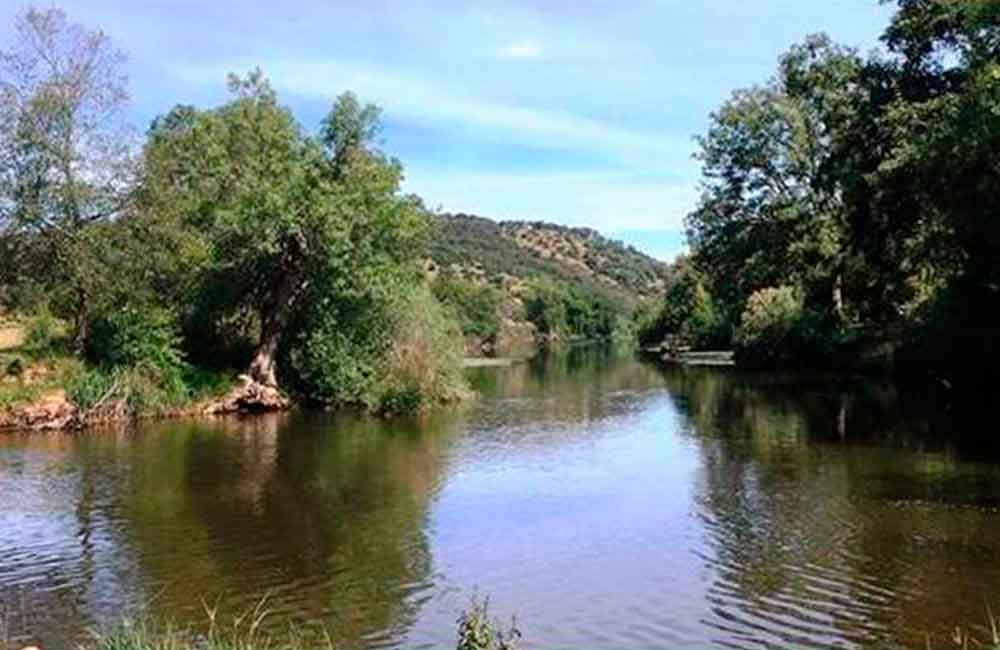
<point>424,100</point>
<point>649,183</point>
<point>520,51</point>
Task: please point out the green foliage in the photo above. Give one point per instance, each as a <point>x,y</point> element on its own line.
<point>288,220</point>
<point>545,307</point>
<point>14,394</point>
<point>477,631</point>
<point>246,632</point>
<point>87,389</point>
<point>336,359</point>
<point>469,241</point>
<point>130,335</point>
<point>688,312</point>
<point>397,354</point>
<point>424,364</point>
<point>573,311</point>
<point>67,162</point>
<point>249,631</point>
<point>41,334</point>
<point>769,318</point>
<point>777,329</point>
<point>128,391</point>
<point>13,366</point>
<point>867,183</point>
<point>476,305</point>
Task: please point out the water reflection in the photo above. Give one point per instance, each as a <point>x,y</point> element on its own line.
<point>323,516</point>
<point>836,512</point>
<point>608,503</point>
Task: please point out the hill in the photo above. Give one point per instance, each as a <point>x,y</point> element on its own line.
<point>509,251</point>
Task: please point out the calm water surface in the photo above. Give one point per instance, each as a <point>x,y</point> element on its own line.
<point>607,503</point>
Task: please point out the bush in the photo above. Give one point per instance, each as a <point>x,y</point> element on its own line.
<point>476,306</point>
<point>424,363</point>
<point>767,323</point>
<point>777,329</point>
<point>41,334</point>
<point>579,312</point>
<point>395,355</point>
<point>144,389</point>
<point>135,335</point>
<point>689,312</point>
<point>335,359</point>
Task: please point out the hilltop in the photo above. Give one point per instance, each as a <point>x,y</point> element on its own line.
<point>502,252</point>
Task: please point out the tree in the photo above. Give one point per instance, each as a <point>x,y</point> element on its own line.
<point>65,156</point>
<point>770,212</point>
<point>290,220</point>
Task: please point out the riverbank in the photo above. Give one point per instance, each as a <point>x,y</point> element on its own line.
<point>53,410</point>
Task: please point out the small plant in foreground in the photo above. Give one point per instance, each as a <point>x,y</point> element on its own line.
<point>476,631</point>
<point>245,632</point>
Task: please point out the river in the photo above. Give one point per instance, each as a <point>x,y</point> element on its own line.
<point>605,502</point>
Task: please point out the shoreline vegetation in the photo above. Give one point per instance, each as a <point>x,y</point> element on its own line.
<point>225,242</point>
<point>140,275</point>
<point>847,218</point>
<point>231,260</point>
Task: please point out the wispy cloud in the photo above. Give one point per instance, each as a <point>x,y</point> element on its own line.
<point>409,96</point>
<point>520,51</point>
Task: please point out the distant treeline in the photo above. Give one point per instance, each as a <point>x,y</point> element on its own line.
<point>850,211</point>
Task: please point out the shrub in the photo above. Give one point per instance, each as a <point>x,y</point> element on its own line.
<point>392,355</point>
<point>87,389</point>
<point>424,362</point>
<point>557,309</point>
<point>545,308</point>
<point>143,389</point>
<point>477,631</point>
<point>688,311</point>
<point>41,334</point>
<point>777,329</point>
<point>13,367</point>
<point>134,335</point>
<point>335,357</point>
<point>770,317</point>
<point>476,306</point>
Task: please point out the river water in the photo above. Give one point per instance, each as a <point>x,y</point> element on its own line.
<point>605,502</point>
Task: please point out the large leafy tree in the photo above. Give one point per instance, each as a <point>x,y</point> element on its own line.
<point>65,157</point>
<point>770,212</point>
<point>290,220</point>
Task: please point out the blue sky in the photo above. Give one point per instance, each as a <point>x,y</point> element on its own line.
<point>581,113</point>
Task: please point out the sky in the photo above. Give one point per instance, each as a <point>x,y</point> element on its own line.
<point>578,112</point>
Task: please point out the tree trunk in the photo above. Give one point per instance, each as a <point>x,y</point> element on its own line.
<point>81,324</point>
<point>263,367</point>
<point>274,319</point>
<point>837,298</point>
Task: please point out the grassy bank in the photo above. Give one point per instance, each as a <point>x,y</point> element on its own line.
<point>43,384</point>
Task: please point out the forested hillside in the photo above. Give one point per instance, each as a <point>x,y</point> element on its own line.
<point>522,249</point>
<point>514,281</point>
